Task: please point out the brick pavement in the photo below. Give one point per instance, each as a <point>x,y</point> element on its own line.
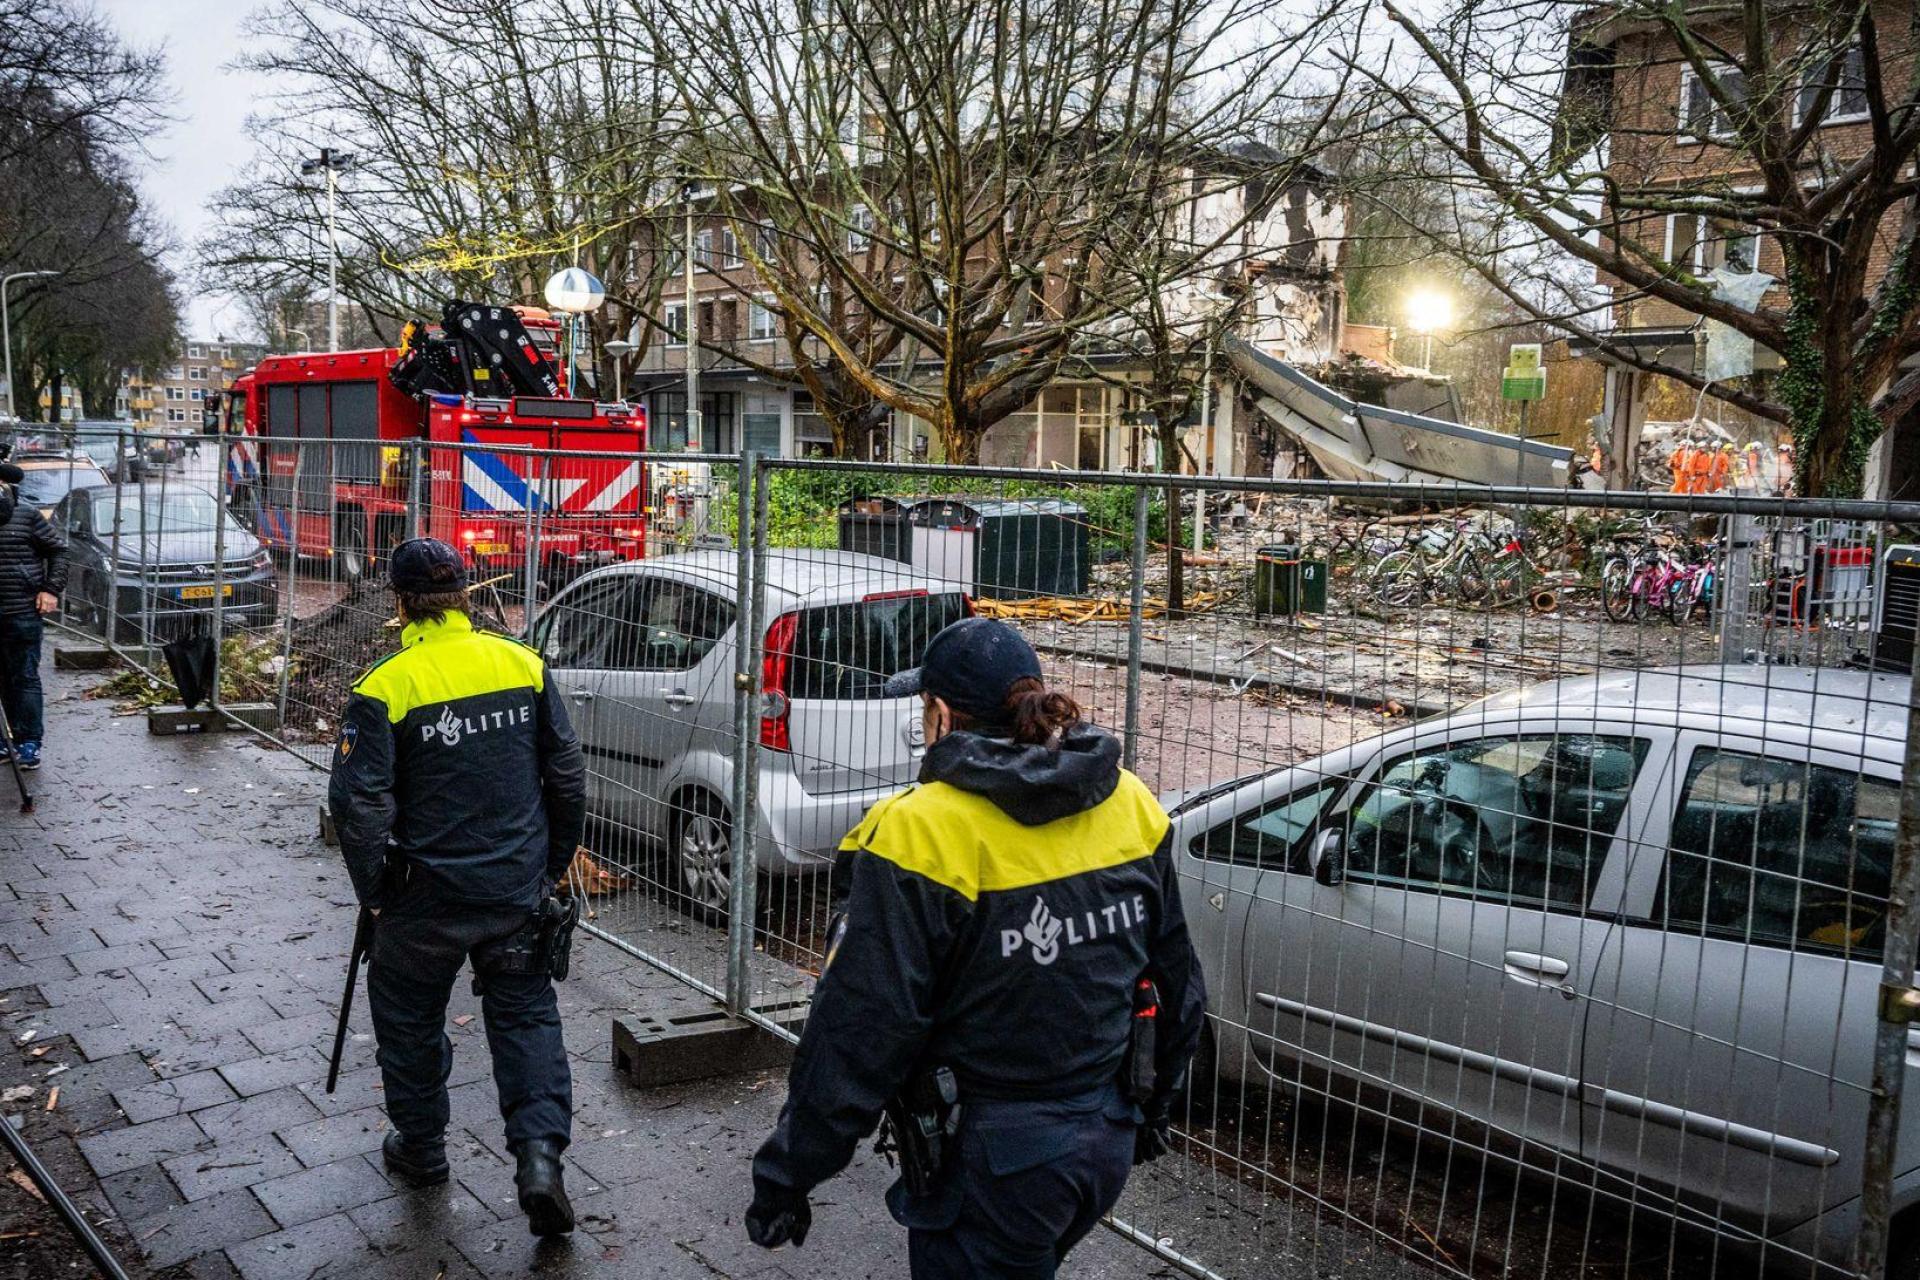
<point>174,937</point>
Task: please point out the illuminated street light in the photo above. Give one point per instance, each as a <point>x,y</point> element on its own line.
<point>1428,310</point>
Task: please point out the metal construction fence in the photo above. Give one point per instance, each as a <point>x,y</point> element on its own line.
<point>1550,855</point>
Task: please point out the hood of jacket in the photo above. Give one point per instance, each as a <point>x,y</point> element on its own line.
<point>1032,785</point>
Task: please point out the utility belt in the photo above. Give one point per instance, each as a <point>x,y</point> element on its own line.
<point>543,945</point>
<point>920,1124</point>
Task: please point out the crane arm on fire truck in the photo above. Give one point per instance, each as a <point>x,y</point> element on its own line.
<point>480,350</point>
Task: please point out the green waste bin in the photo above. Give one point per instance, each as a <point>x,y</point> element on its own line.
<point>1286,582</point>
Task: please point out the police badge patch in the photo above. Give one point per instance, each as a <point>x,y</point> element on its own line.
<point>349,734</point>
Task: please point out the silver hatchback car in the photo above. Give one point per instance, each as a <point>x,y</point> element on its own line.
<point>645,652</point>
<point>1627,927</point>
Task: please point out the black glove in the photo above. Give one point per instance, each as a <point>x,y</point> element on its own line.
<point>1154,1138</point>
<point>779,1215</point>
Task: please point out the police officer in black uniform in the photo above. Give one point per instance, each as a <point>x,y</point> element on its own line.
<point>1001,917</point>
<point>459,796</point>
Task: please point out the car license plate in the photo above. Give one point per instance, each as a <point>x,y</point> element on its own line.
<point>491,548</point>
<point>205,593</point>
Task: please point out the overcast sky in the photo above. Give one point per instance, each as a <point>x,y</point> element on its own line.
<point>202,152</point>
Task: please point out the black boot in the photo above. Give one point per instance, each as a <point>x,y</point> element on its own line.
<point>418,1164</point>
<point>542,1187</point>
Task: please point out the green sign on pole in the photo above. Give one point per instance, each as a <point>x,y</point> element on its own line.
<point>1525,377</point>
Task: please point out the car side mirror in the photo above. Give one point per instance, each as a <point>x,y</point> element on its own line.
<point>1329,857</point>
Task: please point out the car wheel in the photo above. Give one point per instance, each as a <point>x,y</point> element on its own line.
<point>350,549</point>
<point>702,852</point>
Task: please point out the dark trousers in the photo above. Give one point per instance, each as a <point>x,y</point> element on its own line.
<point>420,943</point>
<point>20,675</point>
<point>1032,1178</point>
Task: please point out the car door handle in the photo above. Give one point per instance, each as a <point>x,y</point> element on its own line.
<point>581,695</point>
<point>677,697</point>
<point>1536,966</point>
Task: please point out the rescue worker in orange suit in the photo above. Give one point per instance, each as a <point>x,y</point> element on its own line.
<point>1719,468</point>
<point>1681,463</point>
<point>1002,915</point>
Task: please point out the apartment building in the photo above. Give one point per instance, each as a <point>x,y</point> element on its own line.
<point>1664,132</point>
<point>1280,274</point>
<point>172,397</point>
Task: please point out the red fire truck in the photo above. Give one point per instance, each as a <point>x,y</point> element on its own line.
<point>477,404</point>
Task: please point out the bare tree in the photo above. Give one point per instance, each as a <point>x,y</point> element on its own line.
<point>75,101</point>
<point>1670,148</point>
<point>949,172</point>
<point>484,160</point>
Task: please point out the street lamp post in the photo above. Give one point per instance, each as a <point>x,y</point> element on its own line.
<point>306,339</point>
<point>1428,310</point>
<point>331,162</point>
<point>619,349</point>
<point>6,332</point>
<point>691,311</point>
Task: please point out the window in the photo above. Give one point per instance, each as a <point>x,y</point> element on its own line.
<point>193,351</point>
<point>859,229</point>
<point>588,628</point>
<point>703,249</point>
<point>760,327</point>
<point>1522,819</point>
<point>176,393</point>
<point>766,241</point>
<point>1781,853</point>
<point>176,415</point>
<point>1843,77</point>
<point>846,652</point>
<point>195,394</point>
<point>730,249</point>
<point>1701,117</point>
<point>1700,244</point>
<point>198,373</point>
<point>676,626</point>
<point>674,318</point>
<point>1272,836</point>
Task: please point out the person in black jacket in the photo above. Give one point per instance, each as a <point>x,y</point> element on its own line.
<point>1001,915</point>
<point>33,573</point>
<point>459,795</point>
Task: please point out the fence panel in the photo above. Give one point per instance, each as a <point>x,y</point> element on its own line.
<point>1543,851</point>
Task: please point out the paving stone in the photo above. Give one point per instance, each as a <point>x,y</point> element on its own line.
<point>273,1034</point>
<point>261,1114</point>
<point>86,1081</point>
<point>65,940</point>
<point>327,1189</point>
<point>171,1097</point>
<point>114,931</point>
<point>323,1250</point>
<point>109,1040</point>
<point>336,1137</point>
<point>223,1166</point>
<point>274,1070</point>
<point>411,1216</point>
<point>139,1144</point>
<point>194,1228</point>
<point>254,982</point>
<point>165,975</point>
<point>354,1090</point>
<point>124,956</point>
<point>176,1053</point>
<point>16,973</point>
<point>229,1015</point>
<point>141,1192</point>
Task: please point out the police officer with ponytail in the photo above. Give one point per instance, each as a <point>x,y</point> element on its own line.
<point>1011,983</point>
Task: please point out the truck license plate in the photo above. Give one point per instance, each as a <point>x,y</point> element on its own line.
<point>205,593</point>
<point>491,548</point>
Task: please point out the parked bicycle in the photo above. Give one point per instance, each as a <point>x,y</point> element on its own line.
<point>1471,561</point>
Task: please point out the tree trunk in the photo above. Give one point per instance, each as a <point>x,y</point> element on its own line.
<point>1823,384</point>
<point>1169,430</point>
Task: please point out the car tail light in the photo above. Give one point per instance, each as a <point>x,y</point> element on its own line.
<point>774,702</point>
<point>966,605</point>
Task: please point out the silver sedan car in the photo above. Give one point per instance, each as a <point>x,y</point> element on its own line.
<point>1625,928</point>
<point>645,652</point>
